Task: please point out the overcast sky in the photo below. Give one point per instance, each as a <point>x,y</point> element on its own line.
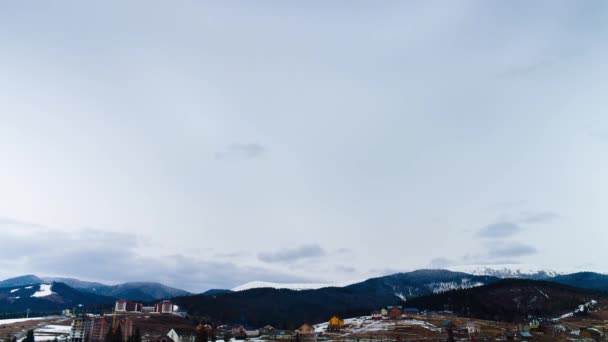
<point>207,144</point>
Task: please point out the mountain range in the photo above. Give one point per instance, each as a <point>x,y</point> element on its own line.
<point>428,289</point>
<point>49,298</point>
<point>290,304</point>
<point>139,291</point>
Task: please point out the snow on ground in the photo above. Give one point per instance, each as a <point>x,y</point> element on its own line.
<point>29,287</point>
<point>579,309</point>
<point>19,320</point>
<point>45,290</point>
<point>54,329</point>
<point>516,270</point>
<point>367,324</point>
<point>506,270</point>
<point>14,290</point>
<point>290,286</point>
<point>452,285</point>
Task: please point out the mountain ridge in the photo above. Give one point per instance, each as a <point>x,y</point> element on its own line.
<point>141,291</point>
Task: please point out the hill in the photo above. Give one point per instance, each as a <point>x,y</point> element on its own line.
<point>288,308</point>
<point>509,300</point>
<point>140,291</point>
<point>49,298</point>
<point>587,280</point>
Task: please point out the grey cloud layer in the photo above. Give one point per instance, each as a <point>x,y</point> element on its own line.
<point>113,257</point>
<point>246,151</point>
<point>499,230</point>
<point>294,254</point>
<point>511,250</point>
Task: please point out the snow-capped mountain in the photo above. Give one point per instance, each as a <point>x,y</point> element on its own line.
<point>289,286</point>
<point>510,271</point>
<point>142,291</point>
<point>44,297</point>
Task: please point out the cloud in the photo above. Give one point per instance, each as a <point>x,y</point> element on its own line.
<point>345,269</point>
<point>530,68</point>
<point>441,263</point>
<point>114,257</point>
<point>499,230</point>
<point>538,217</point>
<point>242,151</point>
<point>293,255</point>
<point>511,250</point>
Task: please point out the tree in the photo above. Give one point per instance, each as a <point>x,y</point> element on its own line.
<point>30,336</point>
<point>109,336</point>
<point>137,337</point>
<point>213,335</point>
<point>201,334</point>
<point>117,335</point>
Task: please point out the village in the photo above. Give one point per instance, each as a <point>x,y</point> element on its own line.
<point>163,322</point>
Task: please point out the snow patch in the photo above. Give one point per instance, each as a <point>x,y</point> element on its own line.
<point>19,320</point>
<point>15,290</point>
<point>289,286</point>
<point>45,290</point>
<point>579,309</point>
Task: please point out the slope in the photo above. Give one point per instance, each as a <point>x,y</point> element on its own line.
<point>509,300</point>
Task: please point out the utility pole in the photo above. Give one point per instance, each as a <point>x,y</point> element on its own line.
<point>27,313</point>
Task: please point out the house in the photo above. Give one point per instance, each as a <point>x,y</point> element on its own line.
<point>411,311</point>
<point>182,335</point>
<point>306,329</point>
<point>472,328</point>
<point>267,330</point>
<point>282,335</point>
<point>395,312</point>
<point>376,315</point>
<point>384,312</point>
<point>335,324</point>
<point>525,334</point>
<point>590,333</point>
<point>252,333</point>
<point>238,330</point>
<point>448,325</point>
<point>161,338</point>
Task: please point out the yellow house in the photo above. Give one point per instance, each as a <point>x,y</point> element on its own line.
<point>335,323</point>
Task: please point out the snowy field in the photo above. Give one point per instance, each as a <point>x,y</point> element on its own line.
<point>19,320</point>
<point>367,324</point>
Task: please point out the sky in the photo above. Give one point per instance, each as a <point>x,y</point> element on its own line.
<point>207,144</point>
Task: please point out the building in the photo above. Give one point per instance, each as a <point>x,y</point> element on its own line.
<point>79,329</point>
<point>335,324</point>
<point>267,330</point>
<point>376,315</point>
<point>252,333</point>
<point>411,311</point>
<point>182,335</point>
<point>127,306</point>
<point>590,333</point>
<point>472,328</point>
<point>166,306</point>
<point>98,328</point>
<point>306,329</point>
<point>395,312</point>
<point>126,327</point>
<point>384,312</point>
